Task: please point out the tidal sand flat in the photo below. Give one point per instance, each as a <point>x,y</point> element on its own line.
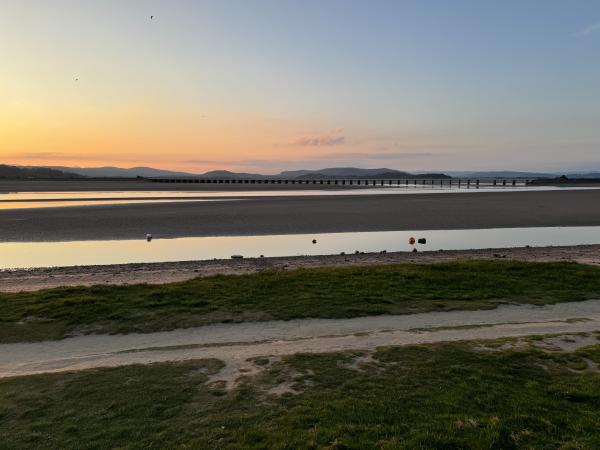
<point>295,215</point>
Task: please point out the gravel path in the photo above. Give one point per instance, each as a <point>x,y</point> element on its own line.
<point>237,343</point>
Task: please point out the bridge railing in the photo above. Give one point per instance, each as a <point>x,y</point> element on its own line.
<point>407,182</point>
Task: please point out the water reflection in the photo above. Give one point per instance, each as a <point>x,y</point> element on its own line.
<point>46,254</point>
<point>20,200</point>
<point>97,202</point>
<point>357,190</point>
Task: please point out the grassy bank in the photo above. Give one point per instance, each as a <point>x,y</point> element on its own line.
<point>443,396</point>
<point>326,293</point>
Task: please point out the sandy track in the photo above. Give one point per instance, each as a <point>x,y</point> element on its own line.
<point>237,343</point>
<point>157,273</point>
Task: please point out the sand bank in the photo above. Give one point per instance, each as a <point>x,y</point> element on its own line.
<point>298,215</point>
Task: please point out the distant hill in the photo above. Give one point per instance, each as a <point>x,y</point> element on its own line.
<point>293,173</point>
<point>149,172</point>
<point>228,174</point>
<point>500,174</point>
<point>326,173</point>
<point>595,175</point>
<point>520,174</point>
<point>34,173</point>
<point>337,172</point>
<point>118,172</point>
<point>354,172</point>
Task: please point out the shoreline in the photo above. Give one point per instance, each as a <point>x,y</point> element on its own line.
<point>15,280</point>
<point>134,184</point>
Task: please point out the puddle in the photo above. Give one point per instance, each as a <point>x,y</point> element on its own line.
<point>54,254</point>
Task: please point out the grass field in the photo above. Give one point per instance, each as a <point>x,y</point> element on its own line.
<point>325,293</point>
<point>441,396</point>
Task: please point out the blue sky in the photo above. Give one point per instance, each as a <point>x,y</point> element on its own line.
<point>272,85</point>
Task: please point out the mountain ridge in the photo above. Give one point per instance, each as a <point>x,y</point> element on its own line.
<point>24,173</point>
<point>328,172</point>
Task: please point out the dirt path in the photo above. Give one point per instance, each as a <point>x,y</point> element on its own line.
<point>237,344</point>
<point>157,273</point>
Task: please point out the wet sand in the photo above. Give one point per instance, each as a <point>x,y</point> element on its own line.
<point>294,215</point>
<point>167,272</point>
<point>237,344</point>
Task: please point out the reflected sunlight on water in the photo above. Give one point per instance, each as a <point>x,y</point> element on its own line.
<point>47,254</point>
<point>20,200</point>
<point>65,203</point>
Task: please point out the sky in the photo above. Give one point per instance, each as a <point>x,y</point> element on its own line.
<point>265,86</point>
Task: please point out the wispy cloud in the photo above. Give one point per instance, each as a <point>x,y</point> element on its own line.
<point>320,140</point>
<point>382,155</point>
<point>211,161</point>
<point>588,30</point>
<point>45,157</point>
<point>53,156</point>
<point>42,155</point>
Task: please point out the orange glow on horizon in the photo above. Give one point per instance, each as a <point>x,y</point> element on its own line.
<point>138,135</point>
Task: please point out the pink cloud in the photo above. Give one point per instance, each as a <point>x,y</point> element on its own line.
<point>320,140</point>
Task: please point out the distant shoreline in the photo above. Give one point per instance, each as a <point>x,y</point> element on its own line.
<point>133,184</point>
<point>143,184</point>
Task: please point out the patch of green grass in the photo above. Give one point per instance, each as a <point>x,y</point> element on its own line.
<point>323,292</point>
<point>440,396</point>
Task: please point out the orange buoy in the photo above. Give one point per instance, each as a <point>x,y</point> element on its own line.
<point>411,241</point>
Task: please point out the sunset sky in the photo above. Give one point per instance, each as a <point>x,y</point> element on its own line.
<point>271,85</point>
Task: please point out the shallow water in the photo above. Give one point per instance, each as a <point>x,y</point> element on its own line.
<point>48,254</point>
<point>55,203</point>
<point>20,200</point>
